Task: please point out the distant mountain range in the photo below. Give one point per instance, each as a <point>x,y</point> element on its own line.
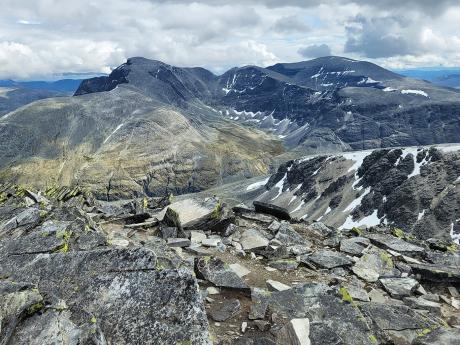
<point>15,94</point>
<point>442,77</point>
<point>150,127</point>
<point>64,85</point>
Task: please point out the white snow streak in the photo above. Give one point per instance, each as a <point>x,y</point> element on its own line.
<point>116,130</point>
<point>414,92</point>
<point>257,184</point>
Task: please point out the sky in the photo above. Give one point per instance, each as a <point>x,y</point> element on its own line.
<point>42,38</point>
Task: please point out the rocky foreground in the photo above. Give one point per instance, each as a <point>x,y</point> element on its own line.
<point>74,270</point>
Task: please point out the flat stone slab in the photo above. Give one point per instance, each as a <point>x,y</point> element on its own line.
<point>440,336</point>
<point>226,310</point>
<point>179,242</point>
<point>277,211</point>
<point>394,317</point>
<point>253,239</point>
<point>396,244</point>
<point>219,273</point>
<point>321,304</point>
<point>354,245</point>
<point>437,273</point>
<point>240,270</point>
<point>329,259</point>
<point>296,331</point>
<point>274,285</point>
<point>399,287</point>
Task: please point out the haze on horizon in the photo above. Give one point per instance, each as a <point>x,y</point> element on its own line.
<point>40,38</point>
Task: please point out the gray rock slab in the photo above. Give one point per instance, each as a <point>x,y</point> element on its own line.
<point>219,273</point>
<point>399,287</point>
<point>329,259</point>
<point>226,310</point>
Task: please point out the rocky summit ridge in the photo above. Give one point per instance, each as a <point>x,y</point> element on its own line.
<point>75,270</point>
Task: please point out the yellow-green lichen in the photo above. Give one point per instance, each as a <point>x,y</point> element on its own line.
<point>357,231</point>
<point>216,212</point>
<point>20,191</point>
<point>346,297</point>
<point>398,233</point>
<point>386,258</point>
<point>452,248</point>
<point>93,319</point>
<point>424,331</point>
<point>66,235</point>
<point>35,307</point>
<point>3,197</point>
<point>373,339</point>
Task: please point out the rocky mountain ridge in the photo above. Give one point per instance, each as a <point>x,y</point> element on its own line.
<point>414,189</point>
<point>193,271</point>
<point>190,130</point>
<point>322,104</point>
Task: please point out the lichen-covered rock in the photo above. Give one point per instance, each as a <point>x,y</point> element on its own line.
<point>329,259</point>
<point>118,290</point>
<point>439,336</point>
<point>374,264</point>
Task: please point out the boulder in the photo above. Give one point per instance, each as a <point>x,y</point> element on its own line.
<point>277,211</point>
<point>284,264</point>
<point>115,293</point>
<point>322,305</point>
<point>289,237</point>
<point>178,242</point>
<point>422,303</point>
<point>25,220</point>
<point>374,264</point>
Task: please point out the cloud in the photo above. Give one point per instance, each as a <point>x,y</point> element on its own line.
<point>291,24</point>
<point>95,36</point>
<point>315,50</point>
<point>429,7</point>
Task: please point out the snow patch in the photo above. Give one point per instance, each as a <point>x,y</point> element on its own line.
<point>371,220</point>
<point>389,89</point>
<point>455,237</point>
<point>357,201</point>
<point>280,185</point>
<point>414,92</point>
<point>420,215</point>
<point>257,184</point>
